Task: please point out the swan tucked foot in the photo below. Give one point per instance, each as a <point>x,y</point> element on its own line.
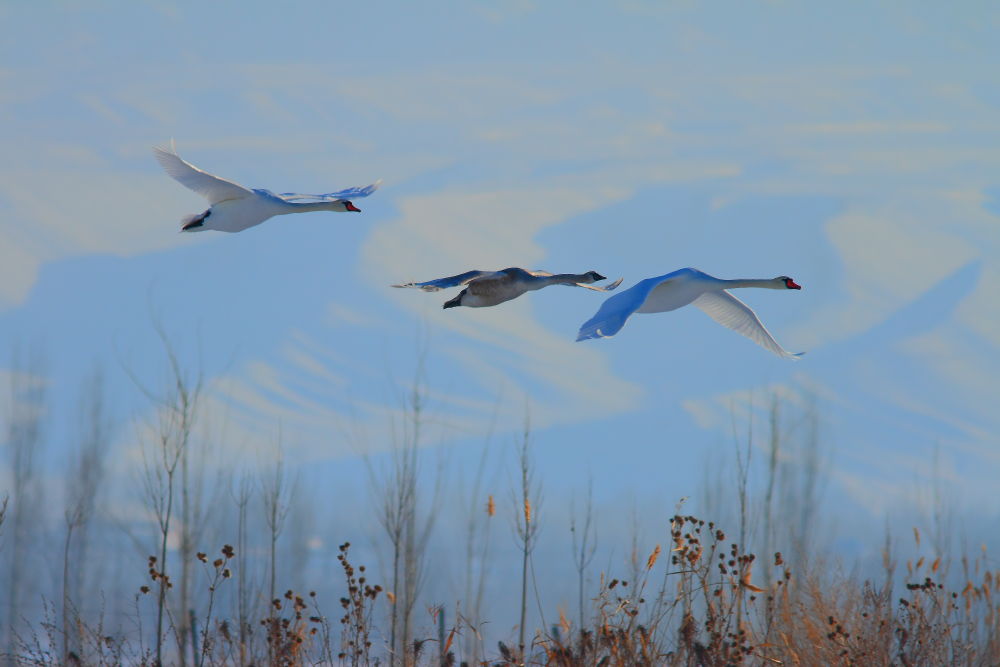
<point>195,221</point>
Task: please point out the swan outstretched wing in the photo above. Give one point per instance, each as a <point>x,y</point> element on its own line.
<point>340,195</point>
<point>610,287</point>
<point>213,188</point>
<point>450,281</point>
<point>597,288</point>
<point>613,313</point>
<point>732,313</point>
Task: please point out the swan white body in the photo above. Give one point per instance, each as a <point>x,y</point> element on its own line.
<point>235,208</point>
<point>489,288</point>
<point>689,286</point>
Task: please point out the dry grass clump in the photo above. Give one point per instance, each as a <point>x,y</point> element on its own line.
<point>846,622</point>
<point>293,631</point>
<point>700,615</point>
<point>709,612</point>
<point>694,601</point>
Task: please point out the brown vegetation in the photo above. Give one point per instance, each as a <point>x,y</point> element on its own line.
<point>697,604</point>
<point>698,597</point>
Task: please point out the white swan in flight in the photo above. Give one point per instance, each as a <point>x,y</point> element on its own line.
<point>678,289</point>
<point>235,208</point>
<point>489,288</point>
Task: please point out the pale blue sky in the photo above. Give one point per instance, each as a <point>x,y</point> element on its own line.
<point>851,147</point>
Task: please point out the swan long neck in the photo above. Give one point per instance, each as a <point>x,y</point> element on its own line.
<point>302,207</point>
<point>767,283</point>
<point>563,279</point>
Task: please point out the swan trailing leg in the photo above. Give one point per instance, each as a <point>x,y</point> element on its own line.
<point>193,222</point>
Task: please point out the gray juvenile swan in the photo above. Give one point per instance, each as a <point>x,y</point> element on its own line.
<point>235,208</point>
<point>689,286</point>
<point>489,288</point>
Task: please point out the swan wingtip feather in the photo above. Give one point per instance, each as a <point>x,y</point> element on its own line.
<point>168,148</point>
<point>588,335</point>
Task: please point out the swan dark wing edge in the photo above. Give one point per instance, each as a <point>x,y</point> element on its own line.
<point>450,281</point>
